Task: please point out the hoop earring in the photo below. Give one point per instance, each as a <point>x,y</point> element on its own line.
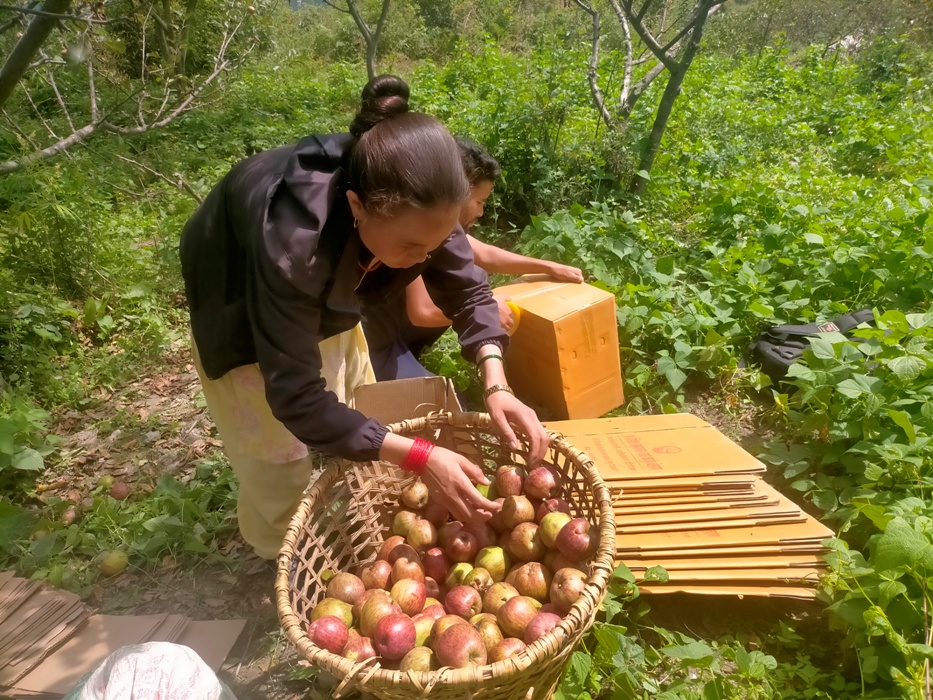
<point>356,223</point>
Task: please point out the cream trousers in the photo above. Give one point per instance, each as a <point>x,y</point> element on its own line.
<point>272,465</point>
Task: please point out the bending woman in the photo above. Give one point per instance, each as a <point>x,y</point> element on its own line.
<point>276,262</point>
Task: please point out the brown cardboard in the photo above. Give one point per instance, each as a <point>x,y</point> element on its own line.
<point>564,354</point>
<point>808,532</point>
<point>663,447</point>
<point>212,640</point>
<point>742,561</point>
<point>402,399</point>
<point>799,576</point>
<point>795,592</point>
<point>729,551</point>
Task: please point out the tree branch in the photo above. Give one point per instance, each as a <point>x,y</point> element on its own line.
<point>180,183</point>
<point>39,114</point>
<point>593,72</point>
<point>92,91</point>
<point>646,36</point>
<point>58,16</point>
<point>339,9</point>
<point>77,137</point>
<point>50,79</point>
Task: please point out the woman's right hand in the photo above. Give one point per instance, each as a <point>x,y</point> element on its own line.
<point>451,480</point>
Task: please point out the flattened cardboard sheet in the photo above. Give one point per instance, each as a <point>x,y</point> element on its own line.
<point>403,399</point>
<point>808,532</point>
<point>746,561</point>
<point>739,577</point>
<point>212,639</point>
<point>814,548</point>
<point>795,592</point>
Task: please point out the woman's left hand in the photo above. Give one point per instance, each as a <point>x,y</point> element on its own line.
<point>506,411</point>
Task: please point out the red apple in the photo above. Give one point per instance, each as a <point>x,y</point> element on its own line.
<point>457,574</point>
<point>358,648</point>
<point>515,614</point>
<point>551,608</point>
<point>509,480</point>
<point>566,588</point>
<point>346,587</point>
<point>488,629</point>
<point>332,606</point>
<point>403,520</point>
<point>464,601</point>
<point>552,505</point>
<point>409,595</point>
<point>510,646</point>
<point>435,563</point>
<point>446,531</point>
<point>485,535</point>
<point>376,574</point>
<point>374,610</point>
<point>462,546</point>
<point>329,632</point>
<point>541,482</point>
<point>407,568</point>
<point>574,539</point>
<point>423,626</point>
<point>435,611</point>
<point>402,550</point>
<point>495,560</point>
<point>433,587</point>
<point>498,594</point>
<point>516,510</point>
<point>422,535</point>
<point>415,496</point>
<point>395,636</point>
<point>418,659</point>
<point>435,513</point>
<point>367,594</point>
<point>496,521</point>
<point>556,561</point>
<point>532,580</point>
<point>442,624</point>
<point>479,579</point>
<point>540,625</point>
<point>550,526</point>
<point>460,646</point>
<point>525,543</point>
<point>387,546</point>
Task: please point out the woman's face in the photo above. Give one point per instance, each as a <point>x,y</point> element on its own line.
<point>473,208</point>
<point>407,236</point>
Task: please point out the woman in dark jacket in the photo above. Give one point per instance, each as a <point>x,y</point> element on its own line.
<point>275,263</point>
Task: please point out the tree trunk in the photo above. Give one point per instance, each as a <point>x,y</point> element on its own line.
<point>28,46</point>
<point>667,103</point>
<point>180,66</point>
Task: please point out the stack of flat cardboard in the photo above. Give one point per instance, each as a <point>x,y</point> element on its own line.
<point>49,639</point>
<point>692,501</point>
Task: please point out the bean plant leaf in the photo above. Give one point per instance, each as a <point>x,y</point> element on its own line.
<point>28,459</point>
<point>900,545</point>
<point>902,420</point>
<point>906,368</point>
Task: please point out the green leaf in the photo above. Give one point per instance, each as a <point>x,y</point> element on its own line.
<point>623,573</point>
<point>813,238</point>
<point>801,209</point>
<point>694,651</point>
<point>761,310</point>
<point>899,545</point>
<point>643,174</point>
<point>657,573</point>
<point>574,683</point>
<point>906,368</point>
<point>822,348</point>
<point>902,420</point>
<point>27,459</point>
<point>675,378</point>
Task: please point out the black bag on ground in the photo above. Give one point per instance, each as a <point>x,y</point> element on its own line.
<point>778,347</point>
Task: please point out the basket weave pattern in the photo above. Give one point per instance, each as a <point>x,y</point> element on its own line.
<point>346,515</point>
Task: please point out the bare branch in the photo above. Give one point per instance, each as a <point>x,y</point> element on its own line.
<point>339,9</point>
<point>180,182</point>
<point>64,144</point>
<point>50,79</point>
<point>360,22</point>
<point>643,11</point>
<point>18,60</point>
<point>646,36</point>
<point>56,15</point>
<point>593,72</point>
<point>381,23</point>
<point>691,24</point>
<point>38,113</point>
<point>92,90</point>
<point>627,104</point>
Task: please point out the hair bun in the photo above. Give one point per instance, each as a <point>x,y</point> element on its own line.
<point>383,96</point>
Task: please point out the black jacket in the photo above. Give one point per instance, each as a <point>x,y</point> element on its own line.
<point>271,267</point>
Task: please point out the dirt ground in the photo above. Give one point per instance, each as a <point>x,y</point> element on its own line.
<point>157,424</point>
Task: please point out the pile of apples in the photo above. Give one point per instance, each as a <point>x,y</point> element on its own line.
<point>441,593</point>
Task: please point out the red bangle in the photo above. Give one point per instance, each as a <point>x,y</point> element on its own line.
<point>417,458</point>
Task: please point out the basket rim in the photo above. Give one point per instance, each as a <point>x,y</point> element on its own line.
<point>574,623</point>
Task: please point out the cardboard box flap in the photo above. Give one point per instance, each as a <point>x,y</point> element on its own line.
<point>793,548</point>
<point>740,561</point>
<point>552,300</point>
<point>795,592</point>
<point>403,399</point>
<point>807,532</point>
<point>626,424</point>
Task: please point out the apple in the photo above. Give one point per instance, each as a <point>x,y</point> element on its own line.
<point>566,588</point>
<point>541,482</point>
<point>415,496</point>
<point>497,595</point>
<point>435,611</point>
<point>337,608</point>
<point>395,636</point>
<point>464,601</point>
<point>509,480</point>
<point>540,625</point>
<point>390,544</point>
<point>374,610</point>
<point>574,539</point>
<point>330,633</point>
<point>422,535</point>
<point>418,659</point>
<point>446,531</point>
<point>556,561</point>
<point>457,574</point>
<point>435,513</point>
<point>495,522</point>
<point>358,648</point>
<point>442,624</point>
<point>510,646</point>
<point>407,568</point>
<point>409,595</point>
<point>525,543</point>
<point>479,617</point>
<point>403,520</point>
<point>462,546</point>
<point>346,587</point>
<point>485,489</point>
<point>517,510</point>
<point>435,563</point>
<point>515,614</point>
<point>495,560</point>
<point>485,535</point>
<point>433,587</point>
<point>488,629</point>
<point>402,550</point>
<point>551,505</point>
<point>551,608</point>
<point>367,594</point>
<point>551,525</point>
<point>532,580</point>
<point>423,626</point>
<point>479,578</point>
<point>376,574</point>
<point>460,646</point>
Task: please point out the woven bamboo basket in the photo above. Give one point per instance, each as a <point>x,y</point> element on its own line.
<point>345,516</point>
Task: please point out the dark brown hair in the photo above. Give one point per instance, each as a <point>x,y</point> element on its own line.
<point>478,165</point>
<point>402,158</point>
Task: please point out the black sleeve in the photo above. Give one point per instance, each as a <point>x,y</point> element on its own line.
<point>461,290</point>
<point>286,326</point>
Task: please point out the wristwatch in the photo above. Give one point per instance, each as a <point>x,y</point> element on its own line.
<point>497,387</point>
